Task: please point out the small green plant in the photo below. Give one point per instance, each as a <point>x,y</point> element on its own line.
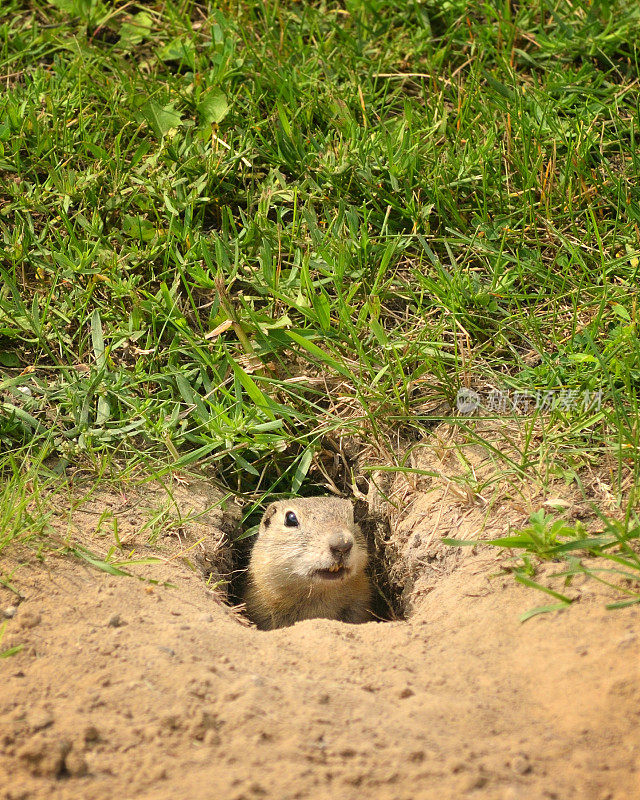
<point>10,651</point>
<point>549,539</point>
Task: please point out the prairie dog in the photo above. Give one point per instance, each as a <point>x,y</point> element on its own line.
<point>308,561</point>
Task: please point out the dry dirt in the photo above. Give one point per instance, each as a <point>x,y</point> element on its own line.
<point>126,689</point>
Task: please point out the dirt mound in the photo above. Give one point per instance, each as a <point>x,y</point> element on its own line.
<point>125,688</point>
<point>458,489</point>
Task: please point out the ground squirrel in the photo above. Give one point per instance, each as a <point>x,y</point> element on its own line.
<point>308,561</point>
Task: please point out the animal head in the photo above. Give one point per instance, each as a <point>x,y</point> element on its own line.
<point>312,540</point>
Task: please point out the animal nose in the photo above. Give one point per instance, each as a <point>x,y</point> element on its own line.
<point>340,545</point>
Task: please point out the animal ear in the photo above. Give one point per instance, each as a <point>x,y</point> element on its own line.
<point>268,515</point>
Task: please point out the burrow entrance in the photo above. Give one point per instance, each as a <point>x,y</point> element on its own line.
<point>194,522</point>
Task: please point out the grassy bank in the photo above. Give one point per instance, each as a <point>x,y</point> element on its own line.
<point>234,233</point>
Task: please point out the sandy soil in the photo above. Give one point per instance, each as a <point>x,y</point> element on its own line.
<point>133,690</point>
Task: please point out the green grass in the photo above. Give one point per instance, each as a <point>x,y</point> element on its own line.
<point>26,499</point>
<point>235,233</point>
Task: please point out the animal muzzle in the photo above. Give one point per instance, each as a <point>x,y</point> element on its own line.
<point>340,545</point>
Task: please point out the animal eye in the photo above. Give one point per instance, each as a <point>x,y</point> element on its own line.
<point>290,520</point>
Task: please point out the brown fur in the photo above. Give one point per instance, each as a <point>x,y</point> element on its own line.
<point>283,583</point>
